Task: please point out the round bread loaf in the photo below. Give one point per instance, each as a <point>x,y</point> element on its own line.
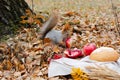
<point>104,54</point>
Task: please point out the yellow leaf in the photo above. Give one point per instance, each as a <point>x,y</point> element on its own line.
<point>78,74</point>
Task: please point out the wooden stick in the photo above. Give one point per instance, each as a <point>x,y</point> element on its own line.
<point>116,18</point>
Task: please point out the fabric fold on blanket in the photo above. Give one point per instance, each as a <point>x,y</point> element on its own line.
<point>63,66</point>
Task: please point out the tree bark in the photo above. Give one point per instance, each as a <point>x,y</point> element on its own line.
<point>10,12</point>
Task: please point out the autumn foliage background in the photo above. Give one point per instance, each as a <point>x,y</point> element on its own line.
<point>25,56</point>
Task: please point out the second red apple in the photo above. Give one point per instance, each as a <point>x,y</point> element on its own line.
<point>68,42</point>
<point>73,53</point>
<point>89,48</point>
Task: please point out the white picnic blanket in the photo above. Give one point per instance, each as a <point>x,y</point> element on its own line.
<point>63,66</point>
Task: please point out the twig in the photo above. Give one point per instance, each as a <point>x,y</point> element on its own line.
<point>116,18</point>
<point>32,5</point>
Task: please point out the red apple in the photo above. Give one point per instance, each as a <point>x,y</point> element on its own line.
<point>55,56</point>
<point>89,48</point>
<point>68,42</point>
<point>73,53</point>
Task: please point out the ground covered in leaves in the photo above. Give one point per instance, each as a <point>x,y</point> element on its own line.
<point>25,57</point>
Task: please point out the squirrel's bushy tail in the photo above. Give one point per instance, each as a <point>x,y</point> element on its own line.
<point>49,25</point>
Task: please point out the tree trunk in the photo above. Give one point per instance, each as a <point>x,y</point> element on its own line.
<point>10,12</point>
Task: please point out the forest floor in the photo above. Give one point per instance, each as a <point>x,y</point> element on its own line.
<point>25,57</point>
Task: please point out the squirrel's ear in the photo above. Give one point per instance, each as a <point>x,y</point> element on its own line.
<point>67,30</point>
<point>55,14</point>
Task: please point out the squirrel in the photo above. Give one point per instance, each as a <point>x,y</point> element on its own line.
<point>56,36</point>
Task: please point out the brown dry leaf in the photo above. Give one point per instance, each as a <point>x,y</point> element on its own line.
<point>56,49</point>
<point>66,27</point>
<point>37,78</point>
<point>38,49</point>
<point>28,12</point>
<point>29,60</point>
<point>16,62</point>
<point>87,22</point>
<point>3,78</point>
<point>23,21</point>
<point>36,42</point>
<point>7,64</point>
<point>37,21</point>
<point>1,67</point>
<point>54,78</point>
<point>23,17</point>
<point>21,67</point>
<point>30,20</point>
<point>47,44</point>
<point>70,13</point>
<point>39,16</point>
<point>17,74</point>
<point>46,40</point>
<point>3,48</point>
<point>36,71</point>
<point>35,49</point>
<point>75,21</point>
